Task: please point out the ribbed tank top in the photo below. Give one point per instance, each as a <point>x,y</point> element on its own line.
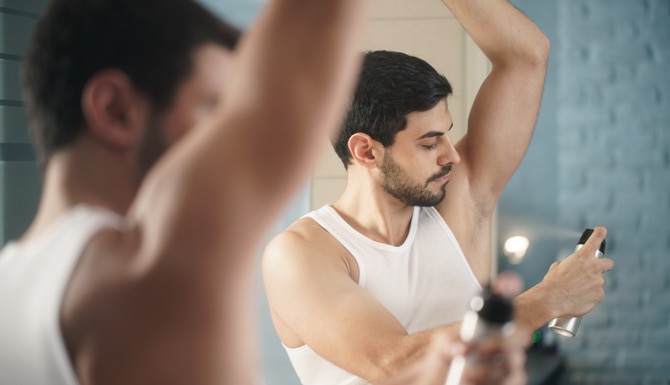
<point>425,282</point>
<point>33,278</point>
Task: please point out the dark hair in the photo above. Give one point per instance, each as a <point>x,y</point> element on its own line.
<point>391,85</point>
<point>152,41</point>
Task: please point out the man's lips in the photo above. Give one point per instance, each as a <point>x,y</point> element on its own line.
<point>442,177</point>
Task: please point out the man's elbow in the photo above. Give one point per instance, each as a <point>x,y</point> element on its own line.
<point>531,56</point>
<point>537,53</point>
<point>541,51</point>
<point>386,367</point>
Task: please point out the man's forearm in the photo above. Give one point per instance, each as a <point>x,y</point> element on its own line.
<point>534,308</point>
<point>411,349</point>
<point>501,31</point>
<point>406,351</point>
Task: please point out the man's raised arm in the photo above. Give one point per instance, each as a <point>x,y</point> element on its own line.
<point>204,208</point>
<point>292,76</point>
<point>500,126</point>
<point>505,110</point>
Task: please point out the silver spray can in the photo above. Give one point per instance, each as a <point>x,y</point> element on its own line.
<point>567,326</point>
<point>489,314</point>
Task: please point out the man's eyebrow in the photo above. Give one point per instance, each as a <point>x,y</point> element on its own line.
<point>432,134</point>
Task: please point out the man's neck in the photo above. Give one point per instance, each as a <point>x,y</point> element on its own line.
<point>373,212</point>
<point>79,175</point>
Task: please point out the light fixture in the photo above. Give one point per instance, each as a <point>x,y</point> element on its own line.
<point>515,248</point>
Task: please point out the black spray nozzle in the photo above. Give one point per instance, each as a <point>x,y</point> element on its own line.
<point>495,308</point>
<point>585,236</point>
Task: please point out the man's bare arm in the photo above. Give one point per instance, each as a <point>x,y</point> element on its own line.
<point>501,121</point>
<point>330,312</point>
<point>291,79</point>
<point>572,287</point>
<point>347,326</point>
<point>504,112</point>
<point>500,127</point>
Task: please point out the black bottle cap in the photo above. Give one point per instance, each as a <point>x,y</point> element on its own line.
<point>495,308</point>
<point>585,236</point>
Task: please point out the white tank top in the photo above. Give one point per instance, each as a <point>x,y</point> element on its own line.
<point>33,277</point>
<point>425,282</point>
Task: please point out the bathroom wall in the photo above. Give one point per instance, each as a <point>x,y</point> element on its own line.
<point>19,175</point>
<point>614,169</point>
<point>601,156</point>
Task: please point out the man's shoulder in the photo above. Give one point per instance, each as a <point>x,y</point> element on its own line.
<point>96,275</point>
<point>303,234</point>
<point>304,243</point>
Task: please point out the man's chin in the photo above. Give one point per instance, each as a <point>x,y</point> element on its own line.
<point>430,201</point>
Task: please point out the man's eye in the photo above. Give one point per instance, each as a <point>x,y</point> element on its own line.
<point>430,146</point>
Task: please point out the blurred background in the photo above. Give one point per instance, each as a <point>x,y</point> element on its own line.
<point>600,156</point>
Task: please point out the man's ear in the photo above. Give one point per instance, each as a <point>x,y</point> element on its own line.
<point>364,150</point>
<point>113,109</point>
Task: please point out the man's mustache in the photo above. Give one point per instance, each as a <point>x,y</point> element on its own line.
<point>445,171</point>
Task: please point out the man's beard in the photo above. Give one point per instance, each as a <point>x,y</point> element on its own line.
<point>399,185</point>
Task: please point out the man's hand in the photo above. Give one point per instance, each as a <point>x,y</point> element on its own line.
<point>576,284</point>
<point>501,358</point>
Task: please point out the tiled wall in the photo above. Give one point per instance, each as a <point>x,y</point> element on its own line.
<point>601,155</point>
<point>614,161</point>
<point>19,175</point>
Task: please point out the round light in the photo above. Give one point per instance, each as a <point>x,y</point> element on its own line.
<point>515,248</point>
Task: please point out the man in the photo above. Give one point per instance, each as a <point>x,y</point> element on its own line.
<point>137,268</point>
<point>358,287</point>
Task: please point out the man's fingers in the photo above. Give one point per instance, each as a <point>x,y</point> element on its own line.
<point>606,264</point>
<point>487,373</point>
<point>597,237</point>
<point>446,346</point>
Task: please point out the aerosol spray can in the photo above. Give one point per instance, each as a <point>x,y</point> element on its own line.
<point>567,326</point>
<point>489,314</point>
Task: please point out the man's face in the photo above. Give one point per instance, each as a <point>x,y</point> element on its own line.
<point>195,100</point>
<point>415,169</point>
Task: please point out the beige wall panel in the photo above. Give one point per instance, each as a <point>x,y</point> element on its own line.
<point>326,190</point>
<point>408,9</point>
<point>328,164</point>
<point>437,41</point>
<point>477,68</point>
<point>458,116</point>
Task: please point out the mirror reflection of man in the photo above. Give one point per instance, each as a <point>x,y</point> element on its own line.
<point>358,287</point>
